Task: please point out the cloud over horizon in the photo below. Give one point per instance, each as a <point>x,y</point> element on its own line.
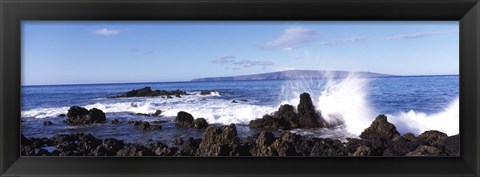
<point>242,63</point>
<point>291,38</point>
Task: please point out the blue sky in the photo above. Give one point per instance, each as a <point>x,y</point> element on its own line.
<point>119,52</point>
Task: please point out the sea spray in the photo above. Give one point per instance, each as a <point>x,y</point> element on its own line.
<point>346,100</point>
<point>446,121</point>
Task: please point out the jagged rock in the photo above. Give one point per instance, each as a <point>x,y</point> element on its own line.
<point>157,113</point>
<point>426,151</point>
<point>287,114</point>
<point>81,116</point>
<point>433,137</point>
<point>362,151</point>
<point>135,150</point>
<point>190,147</point>
<point>269,122</point>
<point>109,147</point>
<point>177,141</point>
<point>145,125</point>
<point>200,123</point>
<point>184,119</point>
<point>161,149</point>
<point>452,145</point>
<point>148,92</point>
<point>306,112</point>
<point>234,101</point>
<point>380,128</point>
<point>219,141</point>
<point>62,115</point>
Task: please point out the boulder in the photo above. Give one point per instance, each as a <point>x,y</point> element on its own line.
<point>135,150</point>
<point>307,115</point>
<point>177,141</point>
<point>380,128</point>
<point>287,114</point>
<point>452,145</point>
<point>184,119</point>
<point>362,151</point>
<point>433,137</point>
<point>269,122</point>
<point>219,141</point>
<point>189,148</point>
<point>425,150</point>
<point>148,92</point>
<point>81,116</point>
<point>200,123</point>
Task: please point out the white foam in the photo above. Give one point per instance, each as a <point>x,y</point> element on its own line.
<point>446,121</point>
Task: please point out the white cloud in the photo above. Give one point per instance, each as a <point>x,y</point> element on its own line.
<point>224,60</point>
<point>418,35</point>
<point>106,32</point>
<point>250,63</point>
<point>291,38</point>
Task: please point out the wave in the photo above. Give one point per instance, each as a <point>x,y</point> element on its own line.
<point>345,102</point>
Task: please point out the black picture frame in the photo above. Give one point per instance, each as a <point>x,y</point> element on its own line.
<point>14,11</point>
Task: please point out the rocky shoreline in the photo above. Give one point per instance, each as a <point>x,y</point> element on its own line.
<point>380,139</point>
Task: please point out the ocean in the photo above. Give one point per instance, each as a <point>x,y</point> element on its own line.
<point>412,103</point>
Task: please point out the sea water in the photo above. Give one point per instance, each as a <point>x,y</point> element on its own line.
<point>413,104</point>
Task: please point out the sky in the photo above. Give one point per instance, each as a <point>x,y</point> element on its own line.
<point>80,52</point>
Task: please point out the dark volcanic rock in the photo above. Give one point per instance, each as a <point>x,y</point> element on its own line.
<point>287,114</point>
<point>433,137</point>
<point>207,92</point>
<point>426,151</point>
<point>184,119</point>
<point>379,135</point>
<point>362,151</point>
<point>219,141</point>
<point>135,150</point>
<point>148,92</point>
<point>177,141</point>
<point>452,145</point>
<point>200,123</point>
<point>306,112</point>
<point>234,101</point>
<point>380,128</point>
<point>190,147</point>
<point>62,115</point>
<point>109,147</point>
<point>269,122</point>
<point>81,116</point>
<point>145,125</point>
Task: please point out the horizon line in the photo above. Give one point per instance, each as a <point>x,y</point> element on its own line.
<point>191,80</point>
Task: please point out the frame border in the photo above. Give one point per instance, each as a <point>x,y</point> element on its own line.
<point>12,12</point>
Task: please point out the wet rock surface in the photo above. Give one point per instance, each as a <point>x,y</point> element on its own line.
<point>148,92</point>
<point>80,116</point>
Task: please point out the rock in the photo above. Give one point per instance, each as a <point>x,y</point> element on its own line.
<point>109,147</point>
<point>157,113</point>
<point>327,147</point>
<point>287,114</point>
<point>115,121</point>
<point>190,147</point>
<point>207,92</point>
<point>62,115</point>
<point>234,101</point>
<point>219,141</point>
<point>261,147</point>
<point>362,151</point>
<point>426,151</point>
<point>380,128</point>
<point>161,149</point>
<point>306,112</point>
<point>269,122</point>
<point>379,136</point>
<point>184,119</point>
<point>200,123</point>
<point>47,123</point>
<point>135,150</point>
<point>177,141</point>
<point>81,116</point>
<point>244,100</point>
<point>148,92</point>
<point>433,137</point>
<point>145,125</point>
<point>452,145</point>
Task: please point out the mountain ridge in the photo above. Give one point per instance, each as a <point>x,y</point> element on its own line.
<point>292,75</point>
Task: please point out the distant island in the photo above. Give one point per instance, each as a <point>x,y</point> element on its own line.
<point>293,75</point>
